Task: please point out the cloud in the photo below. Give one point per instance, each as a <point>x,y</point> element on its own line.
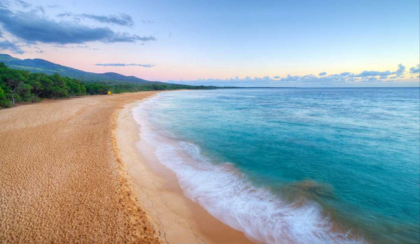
<point>123,65</point>
<point>31,28</point>
<point>344,79</point>
<point>38,9</point>
<point>19,3</point>
<point>383,74</point>
<point>415,70</point>
<point>23,3</point>
<point>125,37</point>
<point>374,73</point>
<point>346,74</point>
<point>65,15</point>
<point>315,79</point>
<point>4,3</point>
<point>122,19</point>
<point>290,78</point>
<point>7,45</point>
<point>400,71</point>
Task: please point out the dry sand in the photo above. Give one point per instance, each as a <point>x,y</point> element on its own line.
<point>60,179</point>
<point>63,178</point>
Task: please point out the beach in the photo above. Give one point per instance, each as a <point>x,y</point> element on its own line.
<point>60,178</point>
<point>182,167</point>
<point>70,172</point>
<point>209,122</point>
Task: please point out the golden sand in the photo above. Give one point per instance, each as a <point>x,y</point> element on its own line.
<point>70,171</point>
<point>61,179</point>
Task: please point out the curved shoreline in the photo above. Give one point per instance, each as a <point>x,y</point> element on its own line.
<point>179,219</point>
<point>66,174</point>
<point>60,177</point>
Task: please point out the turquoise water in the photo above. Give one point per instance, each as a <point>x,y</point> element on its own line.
<point>296,165</point>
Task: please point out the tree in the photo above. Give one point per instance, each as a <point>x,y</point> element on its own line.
<point>47,85</point>
<point>14,86</point>
<point>17,85</point>
<point>2,95</point>
<point>3,101</point>
<point>14,82</point>
<point>35,82</point>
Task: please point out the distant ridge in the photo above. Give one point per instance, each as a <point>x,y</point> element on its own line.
<point>44,66</point>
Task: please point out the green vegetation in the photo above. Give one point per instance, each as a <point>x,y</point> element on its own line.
<point>23,86</point>
<point>43,66</point>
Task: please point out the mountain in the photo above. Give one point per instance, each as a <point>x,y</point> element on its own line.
<point>44,66</point>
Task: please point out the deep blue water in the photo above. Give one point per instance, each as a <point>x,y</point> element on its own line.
<point>347,158</point>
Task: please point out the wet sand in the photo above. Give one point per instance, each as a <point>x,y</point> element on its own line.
<point>70,171</point>
<point>179,219</point>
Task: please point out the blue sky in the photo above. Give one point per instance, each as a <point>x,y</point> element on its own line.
<point>250,43</point>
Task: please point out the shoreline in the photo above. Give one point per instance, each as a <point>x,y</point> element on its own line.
<point>172,211</point>
<point>178,219</point>
<point>60,177</point>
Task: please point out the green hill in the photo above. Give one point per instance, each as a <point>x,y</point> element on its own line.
<point>43,66</point>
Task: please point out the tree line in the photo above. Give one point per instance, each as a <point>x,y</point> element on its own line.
<point>18,86</point>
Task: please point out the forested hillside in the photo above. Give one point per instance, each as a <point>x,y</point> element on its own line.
<point>17,86</point>
<point>43,66</point>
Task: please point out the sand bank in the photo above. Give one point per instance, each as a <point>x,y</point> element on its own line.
<point>60,178</point>
<point>179,220</point>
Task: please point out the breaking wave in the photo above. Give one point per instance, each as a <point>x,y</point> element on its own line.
<point>230,197</point>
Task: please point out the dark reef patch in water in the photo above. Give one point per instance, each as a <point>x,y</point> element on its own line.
<point>299,192</point>
<point>344,220</point>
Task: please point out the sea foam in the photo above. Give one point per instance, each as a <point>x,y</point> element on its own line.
<point>228,196</point>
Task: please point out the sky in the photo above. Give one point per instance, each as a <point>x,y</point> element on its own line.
<point>229,43</point>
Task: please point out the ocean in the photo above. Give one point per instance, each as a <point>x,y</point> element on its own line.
<point>295,165</point>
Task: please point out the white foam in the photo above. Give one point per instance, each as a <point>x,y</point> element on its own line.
<point>228,196</point>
